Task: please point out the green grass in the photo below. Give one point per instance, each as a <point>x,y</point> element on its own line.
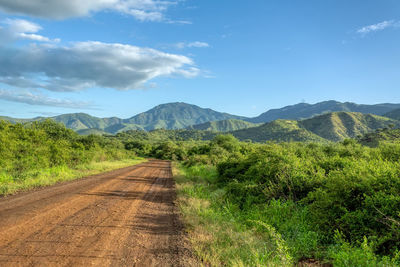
<point>217,230</point>
<point>276,232</point>
<point>49,176</point>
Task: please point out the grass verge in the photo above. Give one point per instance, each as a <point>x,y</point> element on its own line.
<point>216,229</point>
<point>275,233</point>
<point>45,177</point>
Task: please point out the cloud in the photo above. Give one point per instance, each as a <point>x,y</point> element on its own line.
<point>197,44</point>
<point>378,26</point>
<point>143,10</point>
<point>84,65</point>
<point>17,29</point>
<point>46,113</point>
<point>42,100</point>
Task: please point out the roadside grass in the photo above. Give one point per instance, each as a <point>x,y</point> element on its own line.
<point>218,230</point>
<point>50,176</point>
<point>274,233</point>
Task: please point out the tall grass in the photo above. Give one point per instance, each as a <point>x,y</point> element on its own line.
<point>217,229</point>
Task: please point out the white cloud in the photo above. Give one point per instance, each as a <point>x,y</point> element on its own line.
<point>16,29</point>
<point>197,44</point>
<point>378,26</point>
<point>89,64</point>
<point>42,100</point>
<point>144,10</point>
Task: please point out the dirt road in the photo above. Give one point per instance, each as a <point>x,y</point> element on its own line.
<point>121,218</point>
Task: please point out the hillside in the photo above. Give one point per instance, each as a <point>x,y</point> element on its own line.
<point>177,116</point>
<point>166,116</point>
<point>335,126</point>
<point>80,121</point>
<point>280,131</point>
<point>373,139</point>
<point>338,126</point>
<point>182,115</point>
<point>394,114</point>
<point>223,126</point>
<point>166,135</point>
<point>305,111</point>
<point>91,131</point>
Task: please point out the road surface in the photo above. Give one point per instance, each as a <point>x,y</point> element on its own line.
<point>125,217</point>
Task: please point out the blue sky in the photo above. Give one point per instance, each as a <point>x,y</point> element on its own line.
<point>122,57</point>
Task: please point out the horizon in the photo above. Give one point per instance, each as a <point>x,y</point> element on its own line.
<point>124,58</point>
<point>220,111</point>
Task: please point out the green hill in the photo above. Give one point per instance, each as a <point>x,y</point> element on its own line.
<point>223,126</point>
<point>177,116</point>
<point>335,126</point>
<point>91,131</point>
<point>165,135</point>
<point>280,131</point>
<point>394,114</point>
<point>338,126</point>
<point>305,111</point>
<point>182,116</point>
<point>373,139</point>
<point>166,116</point>
<point>80,121</point>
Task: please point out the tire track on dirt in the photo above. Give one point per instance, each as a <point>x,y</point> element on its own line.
<point>121,218</point>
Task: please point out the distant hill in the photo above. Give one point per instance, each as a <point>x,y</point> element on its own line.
<point>91,131</point>
<point>394,114</point>
<point>165,135</point>
<point>80,121</point>
<point>177,116</point>
<point>181,115</point>
<point>280,131</point>
<point>373,139</point>
<point>166,116</point>
<point>305,111</point>
<point>335,126</point>
<point>223,126</point>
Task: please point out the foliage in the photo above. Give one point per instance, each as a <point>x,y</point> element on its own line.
<point>28,149</point>
<point>304,110</point>
<point>307,193</point>
<point>224,125</point>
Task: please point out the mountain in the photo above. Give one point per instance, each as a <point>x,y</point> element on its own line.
<point>166,116</point>
<point>278,130</point>
<point>373,139</point>
<point>80,121</point>
<point>177,116</point>
<point>394,114</point>
<point>91,131</point>
<point>338,126</point>
<point>335,126</point>
<point>182,115</point>
<point>223,126</point>
<point>305,111</point>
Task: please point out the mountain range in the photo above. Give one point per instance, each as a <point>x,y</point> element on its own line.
<point>328,120</point>
<point>334,126</point>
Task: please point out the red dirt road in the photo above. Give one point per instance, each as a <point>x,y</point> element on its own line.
<point>121,218</point>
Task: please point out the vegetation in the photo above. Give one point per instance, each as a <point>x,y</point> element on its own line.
<point>305,111</point>
<point>338,126</point>
<point>386,135</point>
<point>223,126</point>
<point>395,114</point>
<point>182,116</point>
<point>279,130</point>
<point>42,153</point>
<point>279,204</point>
<point>335,126</point>
<point>249,204</point>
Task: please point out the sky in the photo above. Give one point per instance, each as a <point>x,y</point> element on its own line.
<point>122,57</point>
